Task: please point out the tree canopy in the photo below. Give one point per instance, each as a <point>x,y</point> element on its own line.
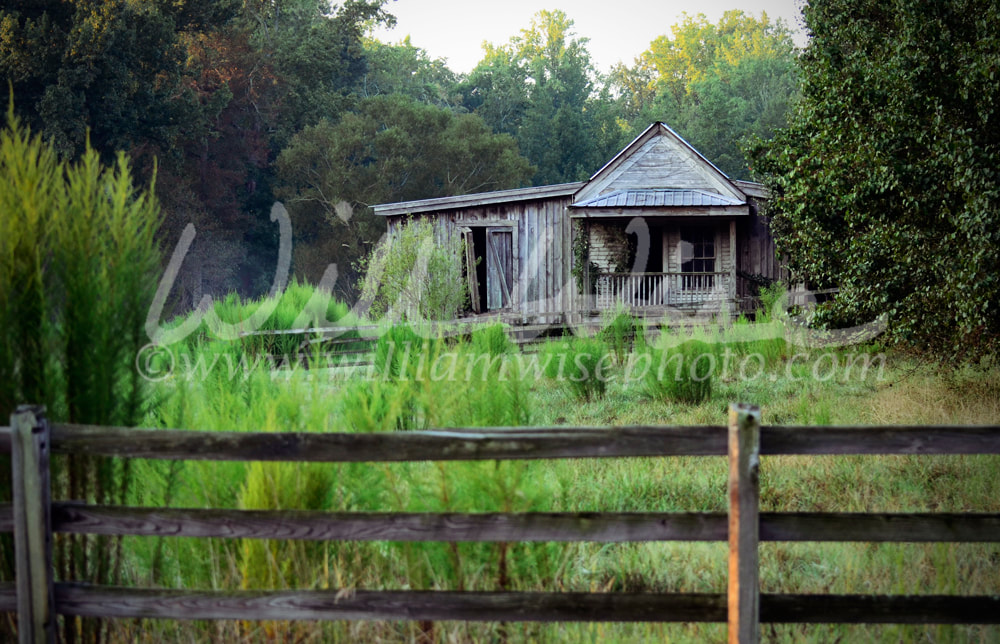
<point>539,87</point>
<point>235,104</point>
<point>886,178</point>
<point>393,148</point>
<point>715,84</point>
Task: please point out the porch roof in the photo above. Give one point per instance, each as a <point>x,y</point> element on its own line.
<point>659,198</point>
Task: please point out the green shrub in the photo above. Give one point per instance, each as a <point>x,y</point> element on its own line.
<point>300,307</point>
<point>400,352</point>
<point>78,268</point>
<point>681,373</point>
<point>416,274</point>
<point>582,363</point>
<point>492,340</point>
<point>620,333</point>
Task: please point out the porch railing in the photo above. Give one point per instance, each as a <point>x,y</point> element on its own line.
<point>661,289</point>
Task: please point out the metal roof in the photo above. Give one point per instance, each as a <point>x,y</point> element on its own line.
<point>658,198</point>
<point>478,199</point>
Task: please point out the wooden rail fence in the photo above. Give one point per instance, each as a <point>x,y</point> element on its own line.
<point>33,517</point>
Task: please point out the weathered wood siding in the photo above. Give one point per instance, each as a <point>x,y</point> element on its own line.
<point>544,287</point>
<point>755,253</point>
<point>658,163</point>
<point>608,246</point>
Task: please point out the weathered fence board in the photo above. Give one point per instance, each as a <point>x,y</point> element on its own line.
<point>348,604</point>
<point>604,527</point>
<point>884,527</point>
<point>608,527</point>
<point>880,609</point>
<point>507,444</point>
<point>440,445</point>
<point>743,526</point>
<point>900,439</point>
<point>744,523</point>
<point>115,602</point>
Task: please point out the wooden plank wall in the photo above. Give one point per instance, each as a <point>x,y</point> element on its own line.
<point>660,162</point>
<point>545,285</point>
<point>755,250</point>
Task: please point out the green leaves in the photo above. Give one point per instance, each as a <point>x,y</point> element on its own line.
<point>539,88</point>
<point>716,84</point>
<point>885,178</point>
<point>392,149</point>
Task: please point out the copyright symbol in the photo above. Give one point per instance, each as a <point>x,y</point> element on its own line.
<point>154,362</point>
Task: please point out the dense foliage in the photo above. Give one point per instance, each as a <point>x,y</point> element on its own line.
<point>715,84</point>
<point>886,178</point>
<point>416,274</point>
<point>540,88</point>
<point>236,104</point>
<point>393,148</point>
<point>78,264</point>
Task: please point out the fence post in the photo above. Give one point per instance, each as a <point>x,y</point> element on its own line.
<point>744,525</point>
<point>32,525</point>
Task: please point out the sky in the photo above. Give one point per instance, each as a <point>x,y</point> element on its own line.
<point>619,30</point>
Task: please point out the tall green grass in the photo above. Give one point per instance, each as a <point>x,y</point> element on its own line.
<point>682,372</point>
<point>582,364</point>
<point>78,263</point>
<point>304,401</point>
<point>486,382</point>
<point>620,331</point>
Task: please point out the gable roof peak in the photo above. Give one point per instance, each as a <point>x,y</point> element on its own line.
<point>712,177</point>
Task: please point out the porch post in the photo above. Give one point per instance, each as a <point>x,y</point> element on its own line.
<point>588,303</point>
<point>732,263</point>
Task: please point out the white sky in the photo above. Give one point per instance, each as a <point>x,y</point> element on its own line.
<point>619,30</point>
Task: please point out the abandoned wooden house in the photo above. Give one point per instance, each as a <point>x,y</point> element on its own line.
<point>658,230</point>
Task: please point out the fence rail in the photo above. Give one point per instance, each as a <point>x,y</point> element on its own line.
<point>33,517</point>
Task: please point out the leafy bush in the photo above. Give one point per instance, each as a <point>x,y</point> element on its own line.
<point>884,182</point>
<point>682,373</point>
<point>415,274</point>
<point>620,333</point>
<point>581,363</point>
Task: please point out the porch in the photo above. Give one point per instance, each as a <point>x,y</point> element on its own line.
<point>690,290</point>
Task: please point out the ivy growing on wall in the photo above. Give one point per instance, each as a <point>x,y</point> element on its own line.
<point>581,259</point>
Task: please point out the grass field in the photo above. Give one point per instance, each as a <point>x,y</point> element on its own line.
<point>472,387</point>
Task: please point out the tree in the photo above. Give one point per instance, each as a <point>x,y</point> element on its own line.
<point>392,149</point>
<point>885,179</point>
<point>109,70</point>
<point>317,52</point>
<point>405,69</point>
<point>539,88</point>
<point>716,84</point>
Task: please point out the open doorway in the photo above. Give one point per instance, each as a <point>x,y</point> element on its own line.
<point>489,267</point>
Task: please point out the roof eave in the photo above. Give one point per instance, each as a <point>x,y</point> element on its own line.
<point>476,199</point>
<point>577,212</point>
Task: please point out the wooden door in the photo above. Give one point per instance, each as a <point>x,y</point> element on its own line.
<point>470,270</point>
<point>499,267</point>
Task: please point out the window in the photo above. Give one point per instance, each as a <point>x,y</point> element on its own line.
<point>698,256</point>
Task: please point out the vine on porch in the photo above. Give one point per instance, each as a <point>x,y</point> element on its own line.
<point>582,266</point>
